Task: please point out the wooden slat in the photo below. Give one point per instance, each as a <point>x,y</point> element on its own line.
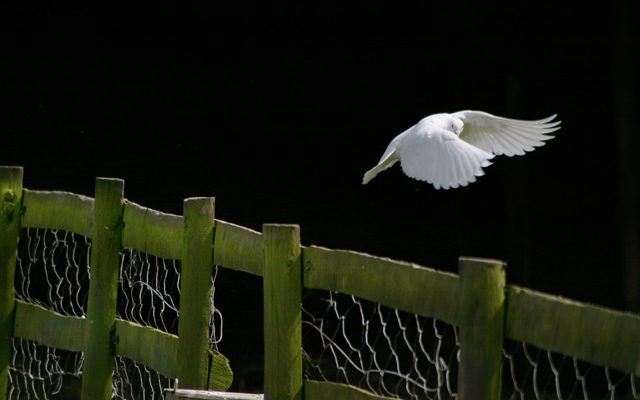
<point>103,289</point>
<point>593,334</point>
<point>317,390</point>
<point>195,293</point>
<point>482,311</point>
<point>11,195</point>
<point>238,248</point>
<point>395,284</point>
<point>152,231</point>
<point>282,288</point>
<point>58,210</point>
<point>34,322</point>
<point>151,347</point>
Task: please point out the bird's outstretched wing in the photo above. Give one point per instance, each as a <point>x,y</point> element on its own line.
<point>443,159</point>
<point>506,136</point>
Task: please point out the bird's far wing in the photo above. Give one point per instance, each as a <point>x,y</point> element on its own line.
<point>499,135</point>
<point>443,160</point>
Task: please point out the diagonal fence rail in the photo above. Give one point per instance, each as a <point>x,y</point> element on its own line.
<point>496,326</point>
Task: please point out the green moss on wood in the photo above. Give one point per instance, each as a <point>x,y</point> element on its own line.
<point>482,313</point>
<point>34,322</point>
<point>195,293</point>
<point>238,248</point>
<point>152,347</point>
<point>152,231</point>
<point>101,310</point>
<point>10,212</point>
<point>282,285</point>
<point>58,210</point>
<point>396,284</point>
<point>220,373</point>
<point>593,334</point>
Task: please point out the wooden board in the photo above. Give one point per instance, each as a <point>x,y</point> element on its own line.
<point>152,231</point>
<point>396,284</point>
<point>238,248</point>
<point>593,334</point>
<point>152,347</point>
<point>58,210</point>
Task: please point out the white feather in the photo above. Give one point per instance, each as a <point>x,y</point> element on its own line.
<point>499,135</point>
<point>450,150</point>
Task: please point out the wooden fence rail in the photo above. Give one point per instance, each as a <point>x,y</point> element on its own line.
<point>485,309</point>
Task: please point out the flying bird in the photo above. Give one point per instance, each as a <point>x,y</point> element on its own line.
<point>450,150</point>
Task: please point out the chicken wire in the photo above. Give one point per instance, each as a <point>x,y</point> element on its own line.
<point>53,270</point>
<point>383,350</point>
<point>400,355</point>
<point>533,373</point>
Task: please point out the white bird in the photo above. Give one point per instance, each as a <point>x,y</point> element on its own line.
<point>450,150</point>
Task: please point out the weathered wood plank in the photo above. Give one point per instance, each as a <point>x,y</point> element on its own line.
<point>195,293</point>
<point>591,333</point>
<point>282,285</point>
<point>152,231</point>
<point>317,390</point>
<point>151,347</point>
<point>395,284</point>
<point>482,313</point>
<point>11,196</point>
<point>58,210</point>
<point>238,248</point>
<point>34,322</point>
<point>101,308</point>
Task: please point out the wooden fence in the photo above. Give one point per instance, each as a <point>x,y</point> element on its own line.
<point>478,301</point>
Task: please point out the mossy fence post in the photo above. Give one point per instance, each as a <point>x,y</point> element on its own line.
<point>10,211</point>
<point>482,308</point>
<point>282,284</point>
<point>103,289</point>
<point>195,293</point>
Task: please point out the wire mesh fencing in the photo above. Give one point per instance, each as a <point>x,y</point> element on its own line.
<point>533,373</point>
<point>149,295</point>
<point>383,350</point>
<point>52,270</point>
<point>399,355</point>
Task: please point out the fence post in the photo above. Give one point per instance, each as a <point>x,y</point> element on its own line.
<point>103,289</point>
<point>10,211</point>
<point>282,283</point>
<point>195,292</point>
<point>482,308</point>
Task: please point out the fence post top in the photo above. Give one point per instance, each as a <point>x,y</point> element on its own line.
<point>488,262</point>
<point>197,199</point>
<point>282,226</point>
<point>106,179</point>
<point>11,174</point>
<point>15,167</point>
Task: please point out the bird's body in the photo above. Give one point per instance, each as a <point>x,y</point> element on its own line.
<point>450,150</point>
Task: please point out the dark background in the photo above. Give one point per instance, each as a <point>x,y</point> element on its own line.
<point>278,110</point>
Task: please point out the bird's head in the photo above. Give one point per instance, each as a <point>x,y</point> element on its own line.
<point>444,121</point>
<point>455,125</point>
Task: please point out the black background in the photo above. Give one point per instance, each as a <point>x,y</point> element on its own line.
<point>278,110</point>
